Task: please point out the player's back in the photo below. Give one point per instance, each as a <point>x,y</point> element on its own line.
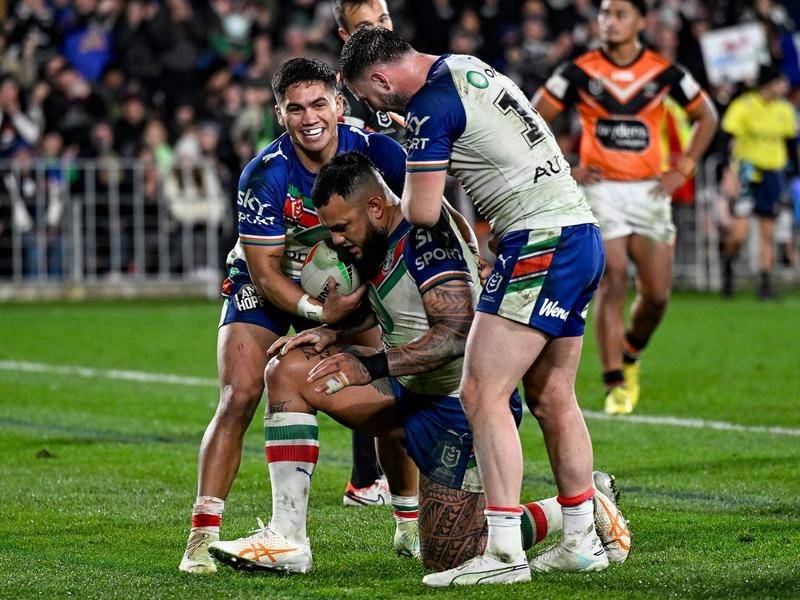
<point>479,123</point>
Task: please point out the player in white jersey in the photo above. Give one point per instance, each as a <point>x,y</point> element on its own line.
<point>463,116</point>
<point>422,284</point>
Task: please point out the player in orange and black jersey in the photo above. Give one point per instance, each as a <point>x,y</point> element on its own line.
<point>350,16</point>
<point>619,91</point>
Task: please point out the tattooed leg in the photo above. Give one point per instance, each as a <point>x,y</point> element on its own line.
<point>452,526</point>
<point>369,408</point>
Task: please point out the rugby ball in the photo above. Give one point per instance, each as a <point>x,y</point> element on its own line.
<point>323,262</point>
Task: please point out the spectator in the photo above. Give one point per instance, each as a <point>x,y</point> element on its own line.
<point>129,129</point>
<point>17,127</point>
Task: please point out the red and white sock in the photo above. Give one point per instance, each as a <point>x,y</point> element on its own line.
<point>540,519</point>
<point>405,508</point>
<point>505,542</point>
<point>207,515</point>
<point>292,449</point>
<point>578,512</point>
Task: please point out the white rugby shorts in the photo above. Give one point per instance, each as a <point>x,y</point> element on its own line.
<point>627,207</point>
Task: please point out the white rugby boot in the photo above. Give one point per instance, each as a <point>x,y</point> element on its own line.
<point>578,554</point>
<point>266,549</point>
<point>406,539</point>
<point>612,527</point>
<point>196,559</point>
<point>376,494</point>
<point>482,569</point>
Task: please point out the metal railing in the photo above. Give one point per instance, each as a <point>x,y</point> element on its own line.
<point>112,222</point>
<point>114,227</point>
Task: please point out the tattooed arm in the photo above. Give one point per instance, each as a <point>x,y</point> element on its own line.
<point>448,307</point>
<point>449,310</point>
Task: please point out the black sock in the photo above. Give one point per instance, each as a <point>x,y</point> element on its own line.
<point>613,378</point>
<point>365,461</point>
<point>631,348</point>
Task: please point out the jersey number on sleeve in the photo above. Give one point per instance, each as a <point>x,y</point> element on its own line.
<point>532,133</point>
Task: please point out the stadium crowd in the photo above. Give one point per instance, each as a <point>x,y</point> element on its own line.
<point>177,84</point>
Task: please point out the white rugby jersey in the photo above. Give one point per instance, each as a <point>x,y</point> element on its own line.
<point>418,260</point>
<point>477,124</point>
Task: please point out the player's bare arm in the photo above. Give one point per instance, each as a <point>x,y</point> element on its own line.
<point>323,336</point>
<point>280,290</point>
<point>449,311</point>
<point>465,229</point>
<point>422,198</point>
<point>705,118</point>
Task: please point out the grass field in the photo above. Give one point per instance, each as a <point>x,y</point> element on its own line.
<point>98,474</point>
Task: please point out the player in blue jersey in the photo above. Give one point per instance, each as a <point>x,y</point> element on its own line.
<point>277,225</point>
<point>464,117</point>
<point>422,285</point>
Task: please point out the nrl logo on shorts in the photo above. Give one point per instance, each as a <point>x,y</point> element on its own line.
<point>494,283</point>
<point>450,456</point>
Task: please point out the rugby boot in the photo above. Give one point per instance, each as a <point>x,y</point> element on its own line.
<point>406,539</point>
<point>264,550</point>
<point>376,494</point>
<point>618,401</point>
<point>196,559</point>
<point>631,372</point>
<point>578,554</point>
<point>612,528</point>
<point>482,569</point>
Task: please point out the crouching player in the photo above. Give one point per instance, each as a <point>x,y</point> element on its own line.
<point>422,290</point>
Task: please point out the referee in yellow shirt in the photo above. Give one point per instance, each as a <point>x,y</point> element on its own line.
<point>762,124</point>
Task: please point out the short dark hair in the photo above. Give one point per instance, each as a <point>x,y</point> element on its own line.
<point>641,5</point>
<point>302,70</point>
<point>345,174</point>
<point>340,5</point>
<point>370,46</point>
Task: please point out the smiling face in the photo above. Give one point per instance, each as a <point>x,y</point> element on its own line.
<point>310,111</point>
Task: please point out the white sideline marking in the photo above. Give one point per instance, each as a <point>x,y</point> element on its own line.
<point>141,376</point>
<point>690,423</point>
<point>30,367</point>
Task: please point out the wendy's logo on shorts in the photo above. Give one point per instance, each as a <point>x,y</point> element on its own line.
<point>494,283</point>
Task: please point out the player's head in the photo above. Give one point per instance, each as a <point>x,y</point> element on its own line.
<point>353,201</point>
<point>621,21</point>
<point>372,64</point>
<point>352,15</point>
<point>307,102</point>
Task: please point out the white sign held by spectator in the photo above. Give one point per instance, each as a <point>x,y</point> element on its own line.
<point>734,53</point>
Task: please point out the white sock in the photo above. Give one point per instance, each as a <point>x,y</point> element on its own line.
<point>505,542</point>
<point>579,523</point>
<point>292,448</point>
<point>207,515</point>
<point>405,508</point>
